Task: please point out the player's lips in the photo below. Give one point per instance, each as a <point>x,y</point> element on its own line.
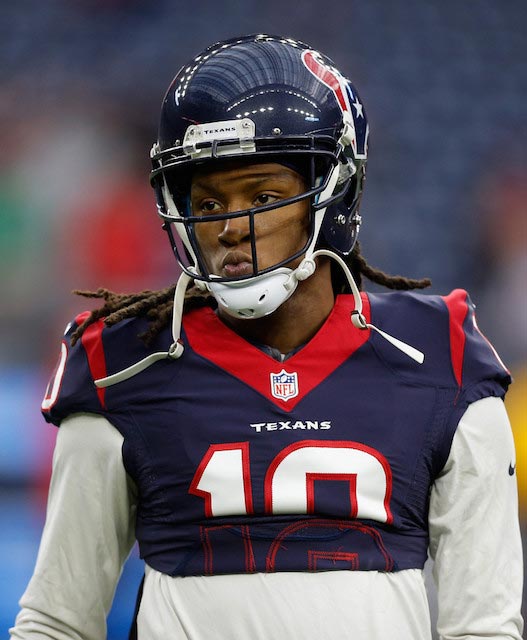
<point>236,264</point>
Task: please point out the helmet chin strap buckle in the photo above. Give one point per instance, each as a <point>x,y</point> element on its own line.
<point>305,269</point>
<point>358,320</point>
<point>200,284</point>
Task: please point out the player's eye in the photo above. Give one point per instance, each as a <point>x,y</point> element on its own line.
<point>265,198</point>
<point>208,206</point>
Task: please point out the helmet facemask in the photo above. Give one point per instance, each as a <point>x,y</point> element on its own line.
<point>175,209</point>
<point>320,172</point>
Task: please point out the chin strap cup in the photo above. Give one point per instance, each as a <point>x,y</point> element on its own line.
<point>257,296</point>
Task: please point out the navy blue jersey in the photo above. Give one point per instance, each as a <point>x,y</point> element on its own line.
<point>322,462</point>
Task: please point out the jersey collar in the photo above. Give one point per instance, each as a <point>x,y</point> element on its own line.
<point>333,343</point>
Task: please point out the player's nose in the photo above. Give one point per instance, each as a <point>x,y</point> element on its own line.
<point>235,231</point>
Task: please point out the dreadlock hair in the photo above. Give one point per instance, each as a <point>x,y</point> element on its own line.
<point>157,305</point>
<point>360,268</point>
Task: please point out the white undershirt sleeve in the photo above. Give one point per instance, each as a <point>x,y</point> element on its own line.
<point>88,534</point>
<point>474,531</point>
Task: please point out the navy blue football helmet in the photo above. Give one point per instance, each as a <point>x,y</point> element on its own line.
<point>262,98</point>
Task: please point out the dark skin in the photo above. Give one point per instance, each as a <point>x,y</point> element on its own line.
<point>280,233</point>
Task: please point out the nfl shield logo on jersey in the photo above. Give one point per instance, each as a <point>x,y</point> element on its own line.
<point>284,385</point>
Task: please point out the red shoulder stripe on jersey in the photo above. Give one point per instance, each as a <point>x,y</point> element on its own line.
<point>457,306</point>
<point>329,348</point>
<point>92,342</point>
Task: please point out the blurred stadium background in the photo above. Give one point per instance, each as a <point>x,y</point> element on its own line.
<point>81,82</point>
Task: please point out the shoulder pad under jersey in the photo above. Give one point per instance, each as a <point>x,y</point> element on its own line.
<point>101,350</point>
<point>444,328</point>
<point>473,358</point>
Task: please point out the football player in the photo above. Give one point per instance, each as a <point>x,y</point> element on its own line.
<point>285,448</point>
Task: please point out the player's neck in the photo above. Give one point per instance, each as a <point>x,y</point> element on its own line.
<point>297,320</point>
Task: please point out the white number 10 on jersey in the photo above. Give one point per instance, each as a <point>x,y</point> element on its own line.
<point>223,479</point>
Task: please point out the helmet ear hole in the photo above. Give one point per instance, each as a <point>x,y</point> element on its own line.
<point>339,230</point>
<point>341,223</point>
